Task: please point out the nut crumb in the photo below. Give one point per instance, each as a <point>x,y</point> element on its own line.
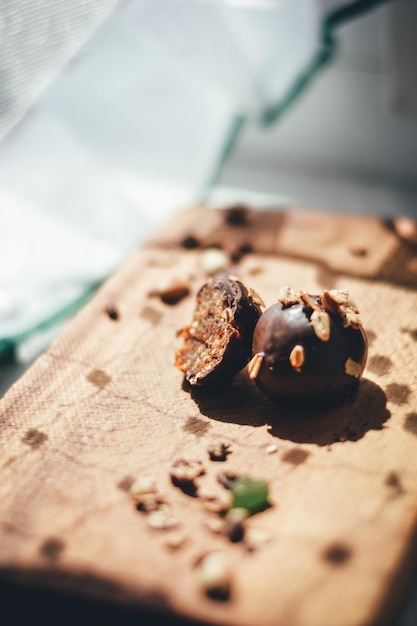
<point>256,297</point>
<point>175,540</point>
<point>143,485</point>
<point>271,449</point>
<point>162,519</point>
<point>214,575</point>
<point>350,316</point>
<point>149,502</point>
<point>213,260</point>
<point>297,357</point>
<point>186,471</point>
<point>256,538</point>
<point>219,505</point>
<point>216,525</point>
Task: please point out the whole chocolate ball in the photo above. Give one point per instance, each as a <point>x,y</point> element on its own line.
<point>309,350</point>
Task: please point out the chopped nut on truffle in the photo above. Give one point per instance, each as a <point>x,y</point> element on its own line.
<point>307,348</point>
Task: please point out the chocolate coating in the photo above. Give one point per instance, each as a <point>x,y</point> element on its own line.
<point>217,344</point>
<point>316,372</point>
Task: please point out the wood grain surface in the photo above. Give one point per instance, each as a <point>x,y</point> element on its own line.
<point>105,405</point>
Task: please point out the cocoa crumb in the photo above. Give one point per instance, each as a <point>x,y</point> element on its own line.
<point>189,242</point>
<point>237,215</point>
<point>218,451</point>
<point>357,250</point>
<point>112,312</point>
<point>240,252</point>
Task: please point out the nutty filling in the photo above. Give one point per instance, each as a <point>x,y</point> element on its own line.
<point>207,337</point>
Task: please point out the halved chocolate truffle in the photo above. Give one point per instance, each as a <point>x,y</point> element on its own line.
<point>309,350</point>
<point>217,344</point>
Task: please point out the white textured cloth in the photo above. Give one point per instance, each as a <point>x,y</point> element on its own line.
<point>96,152</point>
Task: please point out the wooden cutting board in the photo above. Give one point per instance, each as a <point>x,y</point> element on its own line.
<point>105,405</point>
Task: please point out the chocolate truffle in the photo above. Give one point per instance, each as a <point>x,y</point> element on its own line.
<point>309,350</point>
<point>217,344</point>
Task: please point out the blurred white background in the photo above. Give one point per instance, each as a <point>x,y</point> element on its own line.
<point>113,115</point>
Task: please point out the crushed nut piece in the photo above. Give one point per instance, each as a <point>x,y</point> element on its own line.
<point>256,538</point>
<point>218,451</point>
<point>310,302</point>
<point>297,357</point>
<point>219,504</point>
<point>271,449</point>
<point>226,479</point>
<point>206,494</point>
<point>337,296</point>
<point>216,525</point>
<point>186,471</point>
<point>234,524</point>
<point>332,300</point>
<point>352,368</point>
<point>162,519</point>
<point>350,316</point>
<point>337,301</point>
<point>256,297</point>
<point>213,502</point>
<point>287,296</point>
<point>148,502</point>
<point>255,364</point>
<point>213,260</point>
<point>214,575</point>
<point>320,322</point>
<point>175,540</point>
<point>143,485</point>
<point>172,293</point>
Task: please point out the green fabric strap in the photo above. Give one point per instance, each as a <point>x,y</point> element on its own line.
<point>8,345</point>
<point>332,21</point>
<point>328,47</point>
